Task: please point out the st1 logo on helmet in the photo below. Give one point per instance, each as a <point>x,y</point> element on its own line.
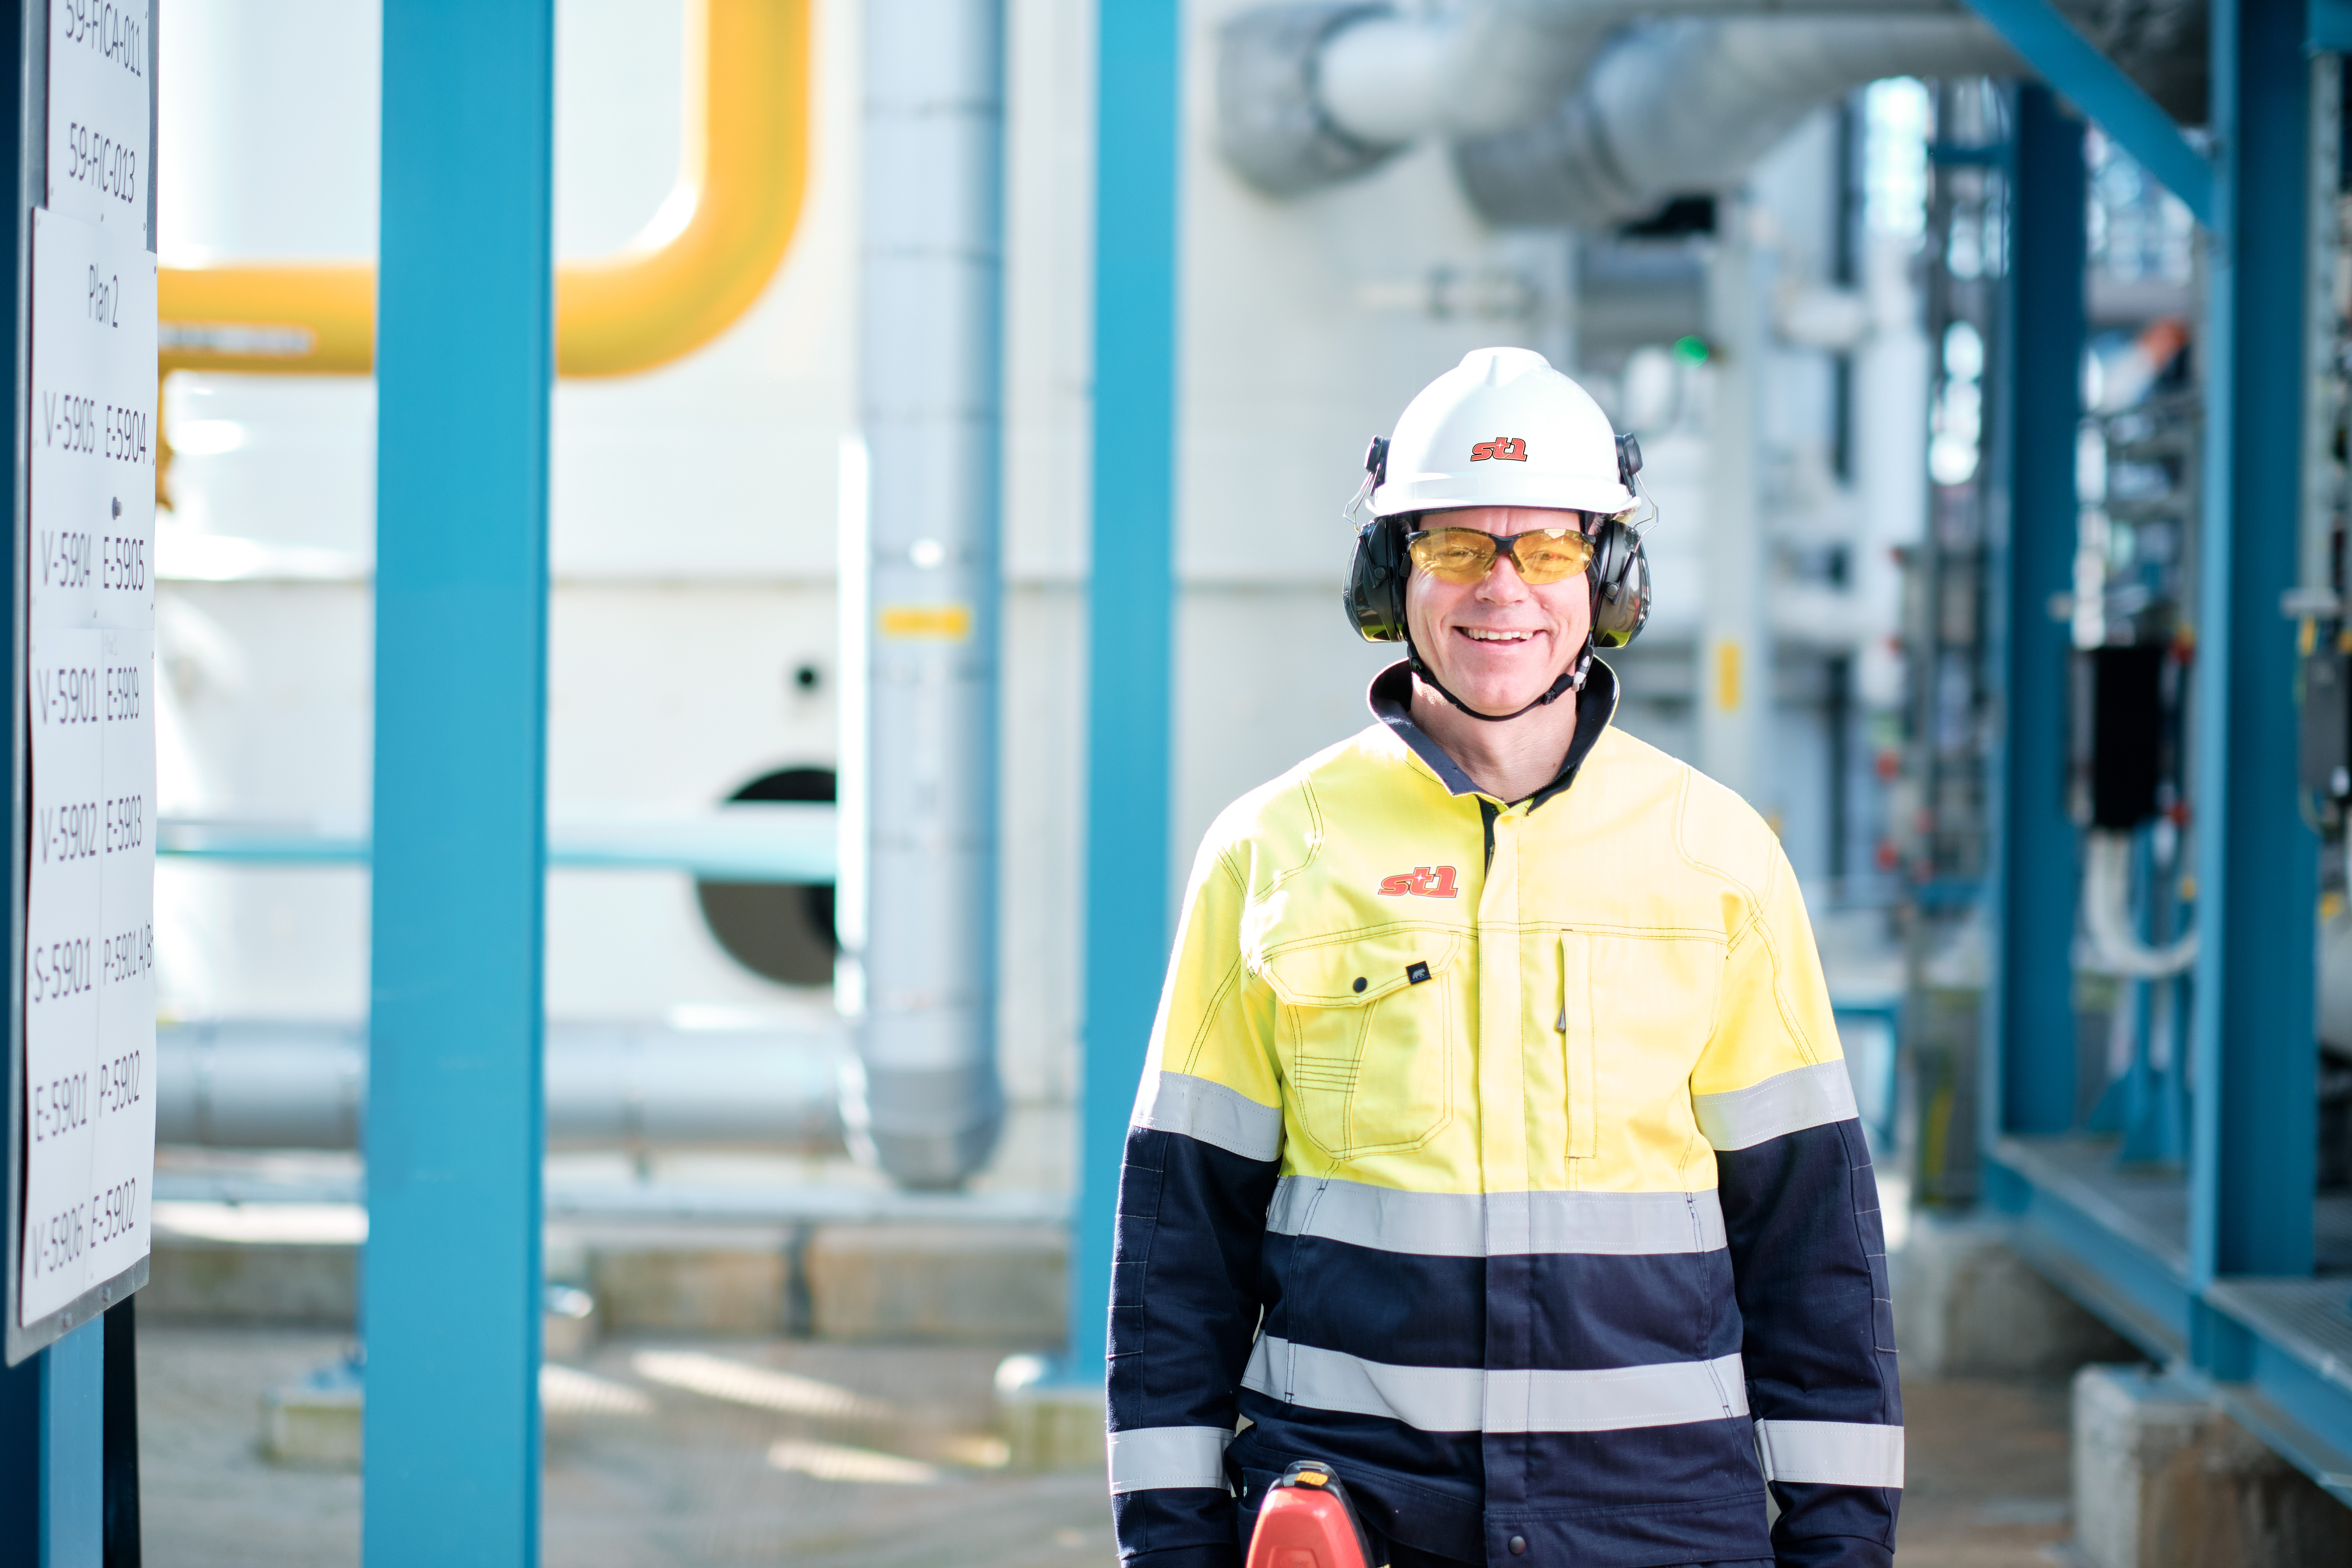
<point>1510,448</point>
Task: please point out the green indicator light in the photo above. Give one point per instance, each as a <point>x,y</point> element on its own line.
<point>1695,350</point>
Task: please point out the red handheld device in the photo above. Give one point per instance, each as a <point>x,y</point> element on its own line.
<point>1306,1522</point>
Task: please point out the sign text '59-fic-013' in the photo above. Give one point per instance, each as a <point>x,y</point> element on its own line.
<point>101,111</point>
<point>90,995</point>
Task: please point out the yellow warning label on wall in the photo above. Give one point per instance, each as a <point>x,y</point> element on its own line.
<point>949,622</point>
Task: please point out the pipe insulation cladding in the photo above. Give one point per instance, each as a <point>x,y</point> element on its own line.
<point>916,905</point>
<point>1309,95</point>
<point>1689,104</point>
<point>265,1084</point>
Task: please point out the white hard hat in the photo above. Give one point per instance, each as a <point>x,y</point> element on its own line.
<point>1502,428</point>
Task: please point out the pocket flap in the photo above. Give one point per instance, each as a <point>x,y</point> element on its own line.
<point>1358,969</point>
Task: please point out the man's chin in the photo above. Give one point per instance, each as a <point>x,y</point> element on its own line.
<point>1491,695</point>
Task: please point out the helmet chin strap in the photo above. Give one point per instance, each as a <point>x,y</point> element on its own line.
<point>1570,679</point>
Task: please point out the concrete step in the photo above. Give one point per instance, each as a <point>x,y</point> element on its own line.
<point>2163,1479</point>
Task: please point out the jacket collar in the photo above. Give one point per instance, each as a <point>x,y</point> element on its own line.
<point>1391,698</point>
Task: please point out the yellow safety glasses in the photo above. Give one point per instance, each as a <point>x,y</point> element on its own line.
<point>1466,554</point>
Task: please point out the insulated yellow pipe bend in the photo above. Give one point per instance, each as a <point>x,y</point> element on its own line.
<point>708,255</point>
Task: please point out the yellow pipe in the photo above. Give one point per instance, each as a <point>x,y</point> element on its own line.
<point>706,258</point>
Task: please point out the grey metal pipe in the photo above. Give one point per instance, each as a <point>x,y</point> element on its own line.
<point>1689,104</point>
<point>254,1084</point>
<point>920,591</point>
<point>1312,94</point>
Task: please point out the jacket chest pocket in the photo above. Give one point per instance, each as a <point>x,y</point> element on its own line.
<point>1368,1037</point>
<point>1635,1013</point>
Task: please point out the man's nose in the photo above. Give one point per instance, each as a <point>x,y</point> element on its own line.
<point>1502,581</point>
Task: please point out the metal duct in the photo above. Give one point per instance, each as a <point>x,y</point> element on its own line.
<point>1689,104</point>
<point>261,1085</point>
<point>268,1085</point>
<point>1491,66</point>
<point>1271,127</point>
<point>1311,95</point>
<point>916,901</point>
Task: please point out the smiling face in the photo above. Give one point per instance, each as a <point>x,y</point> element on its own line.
<point>1499,643</point>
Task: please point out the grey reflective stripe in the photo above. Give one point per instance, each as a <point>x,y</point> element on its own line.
<point>1783,1103</point>
<point>1471,1399</point>
<point>1179,1102</point>
<point>1153,1458</point>
<point>1497,1225</point>
<point>1832,1453</point>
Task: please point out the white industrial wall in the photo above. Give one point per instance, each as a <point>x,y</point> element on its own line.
<point>694,520</point>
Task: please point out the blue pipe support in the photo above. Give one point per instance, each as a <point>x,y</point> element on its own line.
<point>2073,65</point>
<point>1130,619</point>
<point>465,359</point>
<point>73,1448</point>
<point>2029,1016</point>
<point>2254,1115</point>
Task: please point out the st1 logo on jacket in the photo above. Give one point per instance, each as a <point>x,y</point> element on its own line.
<point>1422,881</point>
<point>1510,448</point>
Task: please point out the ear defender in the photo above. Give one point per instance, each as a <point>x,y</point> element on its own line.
<point>1374,597</point>
<point>1621,586</point>
<point>1621,572</point>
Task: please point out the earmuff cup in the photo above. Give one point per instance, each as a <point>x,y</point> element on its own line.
<point>1621,586</point>
<point>1374,597</point>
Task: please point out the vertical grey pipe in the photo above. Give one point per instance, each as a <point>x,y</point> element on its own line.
<point>921,587</point>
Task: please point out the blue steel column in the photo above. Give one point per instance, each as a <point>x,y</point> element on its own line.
<point>455,1126</point>
<point>73,1448</point>
<point>1130,617</point>
<point>2029,1043</point>
<point>2253,1138</point>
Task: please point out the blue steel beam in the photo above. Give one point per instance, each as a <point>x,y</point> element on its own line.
<point>2029,1016</point>
<point>2073,66</point>
<point>1130,617</point>
<point>2254,1123</point>
<point>465,359</point>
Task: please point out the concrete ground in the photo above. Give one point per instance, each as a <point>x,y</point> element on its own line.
<point>679,1452</point>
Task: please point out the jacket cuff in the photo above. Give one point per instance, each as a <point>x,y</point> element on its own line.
<point>1831,1552</point>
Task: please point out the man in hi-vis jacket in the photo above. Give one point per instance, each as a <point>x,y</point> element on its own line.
<point>1495,1147</point>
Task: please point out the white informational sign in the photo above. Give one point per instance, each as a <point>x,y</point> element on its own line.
<point>101,106</point>
<point>89,991</point>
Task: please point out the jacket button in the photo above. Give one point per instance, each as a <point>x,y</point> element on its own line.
<point>1519,1544</point>
<point>1360,983</point>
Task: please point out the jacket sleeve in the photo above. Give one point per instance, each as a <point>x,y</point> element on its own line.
<point>1203,1150</point>
<point>1808,1253</point>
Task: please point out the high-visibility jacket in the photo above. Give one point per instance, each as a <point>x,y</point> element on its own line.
<point>1502,1156</point>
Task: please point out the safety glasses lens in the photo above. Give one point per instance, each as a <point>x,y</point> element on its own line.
<point>1454,554</point>
<point>1551,556</point>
